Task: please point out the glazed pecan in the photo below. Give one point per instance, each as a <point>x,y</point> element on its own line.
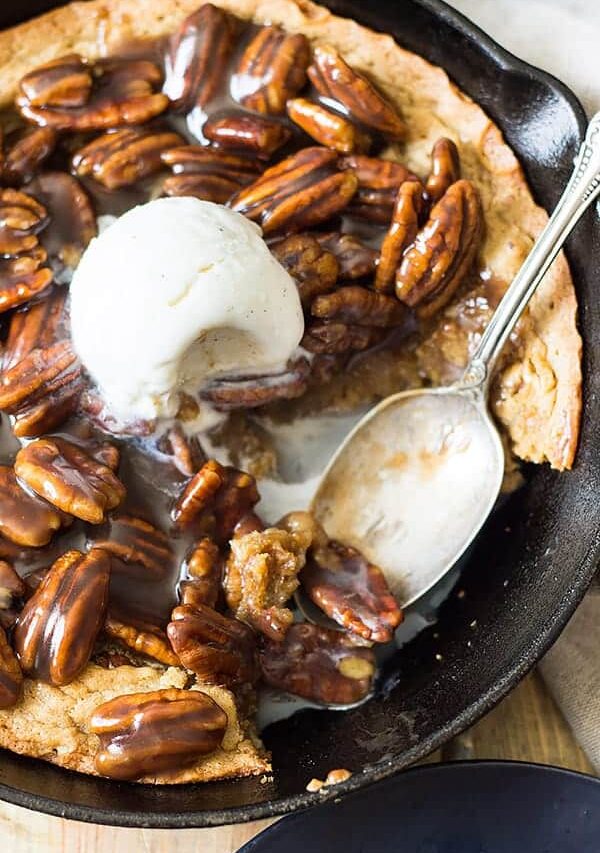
<point>354,258</point>
<point>445,168</point>
<point>25,519</point>
<point>328,128</point>
<point>271,70</point>
<point>204,566</point>
<point>23,152</point>
<point>11,677</point>
<point>64,82</point>
<point>20,215</point>
<point>443,252</point>
<point>58,626</point>
<point>323,337</point>
<point>378,184</point>
<point>261,574</point>
<point>137,543</point>
<point>218,649</point>
<point>121,157</point>
<point>358,305</point>
<point>196,58</point>
<point>148,733</point>
<point>40,324</point>
<point>333,78</point>
<point>223,491</point>
<point>240,393</point>
<point>351,591</point>
<point>186,452</point>
<point>12,589</point>
<point>69,478</point>
<point>152,644</point>
<point>207,173</point>
<point>42,389</point>
<point>253,134</point>
<point>122,92</point>
<point>72,219</point>
<point>402,231</point>
<point>301,191</point>
<point>22,277</point>
<point>319,665</point>
<point>313,268</point>
<point>248,523</point>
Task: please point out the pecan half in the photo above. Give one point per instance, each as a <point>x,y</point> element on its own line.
<point>443,252</point>
<point>42,389</point>
<point>251,133</point>
<point>148,733</point>
<point>11,677</point>
<point>186,453</point>
<point>445,168</point>
<point>261,574</point>
<point>152,644</point>
<point>63,82</point>
<point>72,219</point>
<point>299,192</point>
<point>196,57</point>
<point>69,478</point>
<point>207,173</point>
<point>326,127</point>
<point>204,566</point>
<point>122,91</point>
<point>351,591</point>
<point>218,649</point>
<point>323,337</point>
<point>358,305</point>
<point>403,230</point>
<point>137,543</point>
<point>271,70</point>
<point>23,277</point>
<point>354,258</point>
<point>20,215</point>
<point>24,151</point>
<point>40,324</point>
<point>313,268</point>
<point>240,393</point>
<point>319,665</point>
<point>224,491</point>
<point>58,626</point>
<point>333,78</point>
<point>378,184</point>
<point>121,157</point>
<point>25,519</point>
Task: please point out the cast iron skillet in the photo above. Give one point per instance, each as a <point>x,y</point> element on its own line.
<point>530,566</point>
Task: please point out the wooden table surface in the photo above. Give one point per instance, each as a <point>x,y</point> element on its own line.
<point>526,726</point>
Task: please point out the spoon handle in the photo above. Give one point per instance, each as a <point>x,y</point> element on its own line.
<point>580,192</point>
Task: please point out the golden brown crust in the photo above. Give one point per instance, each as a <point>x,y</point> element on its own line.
<point>53,723</point>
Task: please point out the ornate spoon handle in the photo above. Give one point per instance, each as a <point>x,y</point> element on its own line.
<point>580,192</point>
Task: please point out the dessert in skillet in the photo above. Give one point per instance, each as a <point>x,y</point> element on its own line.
<point>216,221</point>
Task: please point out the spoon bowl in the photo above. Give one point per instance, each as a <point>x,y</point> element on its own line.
<point>413,483</point>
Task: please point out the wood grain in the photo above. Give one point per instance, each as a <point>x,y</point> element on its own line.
<point>527,726</point>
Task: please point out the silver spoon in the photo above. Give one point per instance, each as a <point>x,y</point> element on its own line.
<point>415,480</point>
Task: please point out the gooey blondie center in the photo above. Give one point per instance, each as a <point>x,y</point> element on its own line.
<point>145,599</point>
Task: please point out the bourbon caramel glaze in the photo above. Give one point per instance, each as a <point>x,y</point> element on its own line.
<point>417,352</point>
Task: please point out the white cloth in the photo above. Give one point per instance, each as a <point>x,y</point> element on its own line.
<point>560,36</point>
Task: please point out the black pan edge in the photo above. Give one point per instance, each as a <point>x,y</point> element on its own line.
<point>552,627</point>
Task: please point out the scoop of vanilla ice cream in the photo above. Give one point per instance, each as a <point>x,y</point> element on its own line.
<point>174,293</point>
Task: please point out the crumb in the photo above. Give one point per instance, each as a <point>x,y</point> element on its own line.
<point>334,777</point>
